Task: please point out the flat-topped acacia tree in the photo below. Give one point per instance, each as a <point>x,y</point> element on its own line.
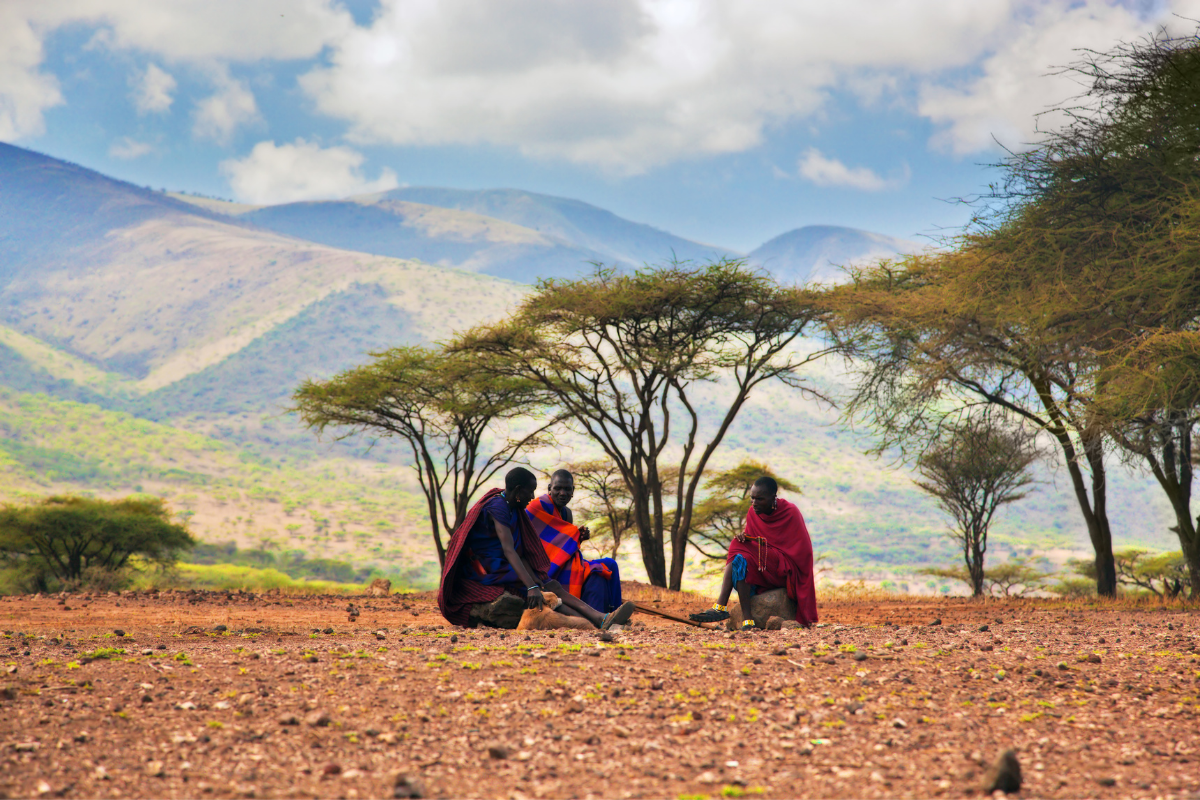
<point>639,361</point>
<point>457,419</point>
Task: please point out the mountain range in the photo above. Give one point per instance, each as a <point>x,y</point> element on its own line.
<point>184,323</point>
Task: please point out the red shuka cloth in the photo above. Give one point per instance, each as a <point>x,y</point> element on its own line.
<point>458,593</point>
<point>780,553</point>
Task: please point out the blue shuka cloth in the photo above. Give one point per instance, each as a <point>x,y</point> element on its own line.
<point>601,593</point>
<point>484,558</point>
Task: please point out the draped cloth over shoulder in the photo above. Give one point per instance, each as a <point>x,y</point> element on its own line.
<point>778,553</point>
<point>463,585</point>
<point>596,582</point>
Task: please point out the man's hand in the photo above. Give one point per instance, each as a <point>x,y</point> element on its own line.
<point>585,533</point>
<point>741,537</point>
<point>534,599</point>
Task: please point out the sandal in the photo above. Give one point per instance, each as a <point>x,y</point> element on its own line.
<point>618,617</point>
<point>709,615</point>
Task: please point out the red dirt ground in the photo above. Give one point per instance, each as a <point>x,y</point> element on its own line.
<point>874,702</point>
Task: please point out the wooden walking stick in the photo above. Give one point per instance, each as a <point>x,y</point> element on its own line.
<point>654,612</point>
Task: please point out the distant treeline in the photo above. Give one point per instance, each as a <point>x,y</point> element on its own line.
<point>294,564</point>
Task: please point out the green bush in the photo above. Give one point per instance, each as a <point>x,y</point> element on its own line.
<point>64,539</point>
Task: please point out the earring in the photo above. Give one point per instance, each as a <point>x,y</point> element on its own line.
<point>774,503</point>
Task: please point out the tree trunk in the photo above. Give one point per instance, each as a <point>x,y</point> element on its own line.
<point>1095,514</point>
<point>653,555</point>
<point>975,569</point>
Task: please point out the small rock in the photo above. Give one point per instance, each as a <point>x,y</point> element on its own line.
<point>1107,781</point>
<point>575,707</point>
<point>1093,658</point>
<point>620,732</point>
<point>188,706</point>
<point>154,769</point>
<point>407,786</point>
<point>498,752</point>
<point>388,738</point>
<point>331,769</point>
<point>289,719</point>
<point>118,632</point>
<point>26,747</point>
<point>860,656</point>
<point>317,719</point>
<point>983,627</point>
<point>936,622</point>
<point>1063,665</point>
<point>605,636</point>
<point>774,623</point>
<point>147,652</point>
<point>1005,774</point>
<point>220,628</point>
<point>656,685</point>
<point>327,631</point>
<point>899,723</point>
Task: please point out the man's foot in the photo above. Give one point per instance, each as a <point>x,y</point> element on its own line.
<point>710,615</point>
<point>618,617</point>
<point>748,625</point>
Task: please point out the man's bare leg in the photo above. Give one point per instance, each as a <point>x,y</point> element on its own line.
<point>573,606</point>
<point>745,595</point>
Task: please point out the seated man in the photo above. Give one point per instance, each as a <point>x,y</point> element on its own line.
<point>495,551</point>
<point>596,582</point>
<point>773,550</point>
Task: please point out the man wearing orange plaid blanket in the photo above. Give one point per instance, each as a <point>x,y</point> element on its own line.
<point>596,582</point>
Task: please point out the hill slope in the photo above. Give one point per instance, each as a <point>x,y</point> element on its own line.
<point>813,254</point>
<point>153,289</point>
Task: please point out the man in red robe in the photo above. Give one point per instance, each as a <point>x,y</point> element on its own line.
<point>772,551</point>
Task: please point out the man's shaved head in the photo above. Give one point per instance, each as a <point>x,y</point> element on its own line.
<point>519,478</point>
<point>562,474</point>
<point>768,485</point>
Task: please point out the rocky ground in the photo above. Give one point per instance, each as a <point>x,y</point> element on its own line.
<point>214,695</point>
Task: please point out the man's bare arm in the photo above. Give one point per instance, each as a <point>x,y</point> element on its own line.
<point>504,534</point>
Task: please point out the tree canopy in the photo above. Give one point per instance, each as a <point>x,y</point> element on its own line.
<point>461,422</point>
<point>66,536</point>
<point>623,356</point>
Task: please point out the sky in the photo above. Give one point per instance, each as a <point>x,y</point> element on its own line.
<point>725,122</point>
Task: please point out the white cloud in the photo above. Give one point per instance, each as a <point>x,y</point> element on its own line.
<point>152,94</point>
<point>127,148</point>
<point>202,32</point>
<point>25,92</point>
<point>825,171</point>
<point>223,112</point>
<point>301,171</point>
<point>624,85</point>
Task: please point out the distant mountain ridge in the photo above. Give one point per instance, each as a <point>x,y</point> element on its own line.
<point>817,253</point>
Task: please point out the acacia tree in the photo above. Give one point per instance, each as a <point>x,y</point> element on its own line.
<point>973,469</point>
<point>67,536</point>
<point>1074,301</point>
<point>606,500</point>
<point>628,357</point>
<point>938,335</point>
<point>1107,209</point>
<point>445,407</point>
